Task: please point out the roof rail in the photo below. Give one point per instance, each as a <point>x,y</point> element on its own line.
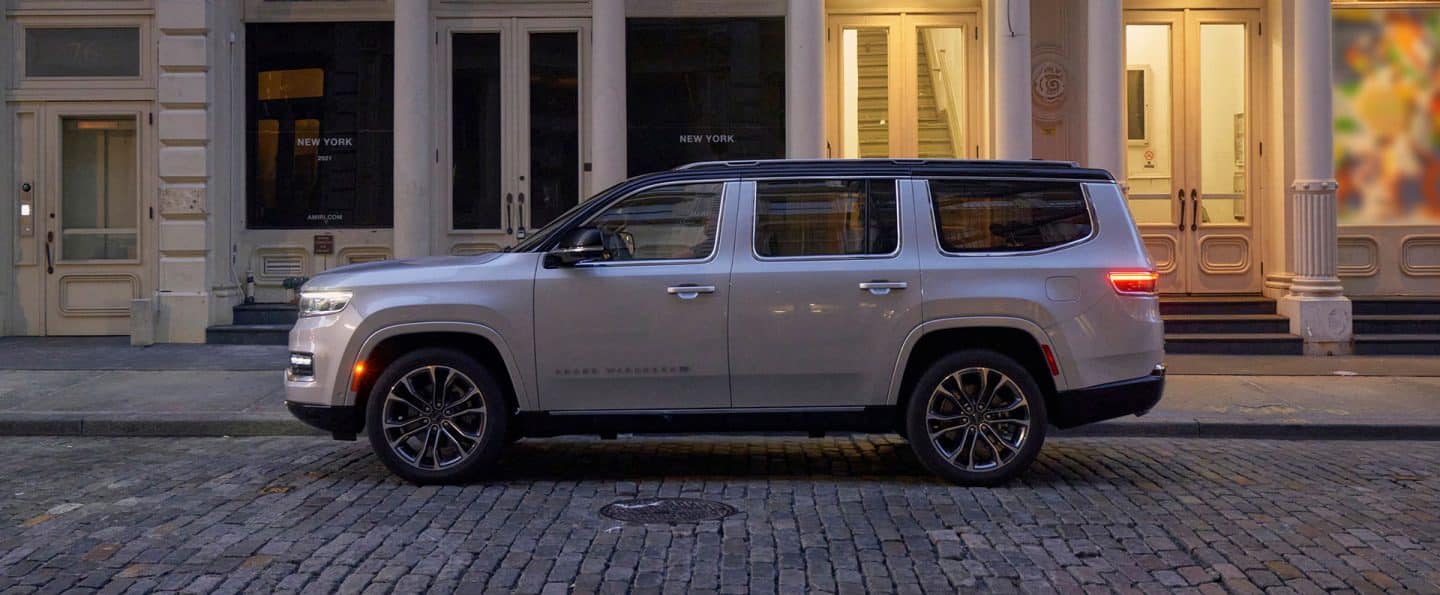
<point>895,161</point>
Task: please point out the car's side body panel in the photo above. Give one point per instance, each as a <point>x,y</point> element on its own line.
<point>803,332</point>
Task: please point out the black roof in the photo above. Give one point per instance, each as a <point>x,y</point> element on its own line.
<point>900,167</point>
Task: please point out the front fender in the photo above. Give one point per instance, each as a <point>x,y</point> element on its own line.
<point>363,345</point>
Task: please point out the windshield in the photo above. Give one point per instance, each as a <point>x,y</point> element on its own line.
<point>538,236</point>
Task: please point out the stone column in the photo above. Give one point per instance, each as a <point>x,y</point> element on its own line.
<point>181,309</point>
<point>1010,37</point>
<point>1104,99</point>
<point>805,79</point>
<point>1317,309</point>
<point>413,146</point>
<point>608,126</point>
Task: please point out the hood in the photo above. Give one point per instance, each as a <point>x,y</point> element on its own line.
<point>410,270</point>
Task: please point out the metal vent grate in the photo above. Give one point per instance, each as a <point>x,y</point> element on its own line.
<point>282,265</point>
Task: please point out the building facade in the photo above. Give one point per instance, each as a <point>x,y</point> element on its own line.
<point>165,159</point>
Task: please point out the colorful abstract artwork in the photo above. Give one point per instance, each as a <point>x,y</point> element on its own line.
<point>1387,114</point>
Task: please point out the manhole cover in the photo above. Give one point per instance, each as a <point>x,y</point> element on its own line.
<point>667,510</point>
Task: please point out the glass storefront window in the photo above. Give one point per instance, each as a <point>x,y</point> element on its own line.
<point>1387,114</point>
<point>475,131</point>
<point>704,89</point>
<point>319,102</point>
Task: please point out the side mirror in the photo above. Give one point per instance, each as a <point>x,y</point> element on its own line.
<point>579,245</point>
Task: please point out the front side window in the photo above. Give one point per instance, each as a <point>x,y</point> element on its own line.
<point>319,117</point>
<point>666,223</point>
<point>797,218</point>
<point>1008,216</point>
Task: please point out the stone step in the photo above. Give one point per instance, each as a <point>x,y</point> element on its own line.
<point>1397,344</point>
<point>1226,324</point>
<point>1235,343</point>
<point>249,334</point>
<point>1216,305</point>
<point>1395,306</point>
<point>266,314</point>
<point>1397,324</point>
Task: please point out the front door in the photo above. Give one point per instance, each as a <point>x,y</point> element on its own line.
<point>1193,94</point>
<point>904,86</point>
<point>85,174</point>
<point>645,329</point>
<point>512,160</point>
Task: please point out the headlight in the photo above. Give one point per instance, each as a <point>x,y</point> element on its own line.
<point>316,303</point>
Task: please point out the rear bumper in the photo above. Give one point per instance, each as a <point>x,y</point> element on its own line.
<point>343,422</point>
<point>1136,396</point>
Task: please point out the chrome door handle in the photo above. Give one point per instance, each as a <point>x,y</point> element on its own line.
<point>689,292</point>
<point>1194,209</point>
<point>1180,197</point>
<point>882,287</point>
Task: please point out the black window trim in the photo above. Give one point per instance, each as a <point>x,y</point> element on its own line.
<point>935,219</point>
<point>725,189</point>
<point>755,218</point>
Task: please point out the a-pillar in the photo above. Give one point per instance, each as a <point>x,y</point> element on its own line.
<point>608,127</point>
<point>413,146</point>
<point>804,79</point>
<point>1010,40</point>
<point>1318,311</point>
<point>1104,134</point>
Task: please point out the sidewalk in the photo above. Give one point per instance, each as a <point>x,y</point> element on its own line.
<point>105,387</point>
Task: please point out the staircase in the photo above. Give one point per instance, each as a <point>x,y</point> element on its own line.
<point>256,324</point>
<point>1396,326</point>
<point>936,139</point>
<point>1240,325</point>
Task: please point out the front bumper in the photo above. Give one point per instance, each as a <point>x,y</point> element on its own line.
<point>343,422</point>
<point>1136,396</point>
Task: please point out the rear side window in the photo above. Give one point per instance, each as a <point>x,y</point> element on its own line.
<point>1008,216</point>
<point>795,218</point>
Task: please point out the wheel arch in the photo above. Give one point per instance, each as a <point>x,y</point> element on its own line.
<point>479,341</point>
<point>1015,337</point>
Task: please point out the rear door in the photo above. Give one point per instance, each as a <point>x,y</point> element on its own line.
<point>824,289</point>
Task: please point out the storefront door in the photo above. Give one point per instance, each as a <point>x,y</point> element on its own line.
<point>904,86</point>
<point>1193,94</point>
<point>86,239</point>
<point>514,110</point>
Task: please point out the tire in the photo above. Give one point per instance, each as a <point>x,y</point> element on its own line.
<point>461,442</point>
<point>991,442</point>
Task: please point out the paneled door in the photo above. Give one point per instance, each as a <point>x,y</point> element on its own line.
<point>904,86</point>
<point>91,216</point>
<point>1193,104</point>
<point>511,151</point>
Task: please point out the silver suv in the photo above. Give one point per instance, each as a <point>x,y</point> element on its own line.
<point>966,305</point>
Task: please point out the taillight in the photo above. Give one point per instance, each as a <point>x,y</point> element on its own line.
<point>1135,282</point>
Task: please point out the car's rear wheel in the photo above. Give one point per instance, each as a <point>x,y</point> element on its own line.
<point>437,416</point>
<point>976,418</point>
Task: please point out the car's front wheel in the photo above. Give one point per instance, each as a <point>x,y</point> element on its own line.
<point>437,416</point>
<point>976,418</point>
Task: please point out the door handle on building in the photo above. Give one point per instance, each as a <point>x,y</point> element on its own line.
<point>49,260</point>
<point>521,227</point>
<point>1180,198</point>
<point>1194,209</point>
<point>689,292</point>
<point>509,216</point>
<point>882,287</point>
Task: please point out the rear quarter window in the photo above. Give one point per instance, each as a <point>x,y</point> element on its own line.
<point>1008,216</point>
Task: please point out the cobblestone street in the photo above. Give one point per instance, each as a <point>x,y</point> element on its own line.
<point>841,514</point>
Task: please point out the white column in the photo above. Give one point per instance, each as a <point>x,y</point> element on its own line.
<point>413,146</point>
<point>1317,309</point>
<point>1010,31</point>
<point>1104,133</point>
<point>804,79</point>
<point>608,127</point>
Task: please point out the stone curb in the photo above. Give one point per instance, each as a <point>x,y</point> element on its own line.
<point>279,424</point>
